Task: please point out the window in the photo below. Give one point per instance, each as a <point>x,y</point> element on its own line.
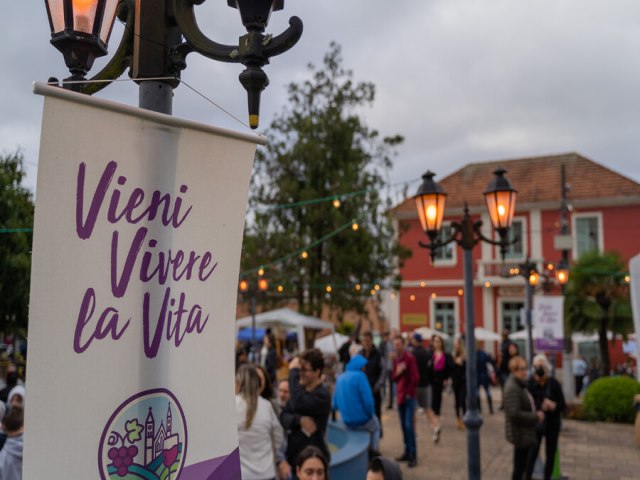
<point>516,250</point>
<point>587,234</point>
<point>511,316</point>
<point>444,319</point>
<point>446,253</point>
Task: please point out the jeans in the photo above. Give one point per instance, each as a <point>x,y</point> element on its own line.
<point>520,458</point>
<point>373,427</point>
<point>406,410</point>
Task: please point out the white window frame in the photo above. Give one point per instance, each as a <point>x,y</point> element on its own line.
<point>456,311</point>
<point>525,244</point>
<point>574,231</point>
<point>448,262</point>
<point>501,302</point>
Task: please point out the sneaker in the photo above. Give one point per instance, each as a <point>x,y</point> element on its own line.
<point>404,458</point>
<point>436,434</point>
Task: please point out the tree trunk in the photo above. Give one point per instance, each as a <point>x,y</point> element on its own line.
<point>604,347</point>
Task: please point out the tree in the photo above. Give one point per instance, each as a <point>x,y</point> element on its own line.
<point>319,148</point>
<point>597,299</point>
<point>16,222</point>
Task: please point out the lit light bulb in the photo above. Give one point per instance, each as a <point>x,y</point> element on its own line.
<point>433,295</point>
<point>562,276</point>
<point>376,287</point>
<point>304,255</point>
<point>261,271</point>
<point>431,212</point>
<point>412,298</point>
<point>502,210</point>
<point>627,279</point>
<point>82,14</point>
<point>460,292</point>
<point>328,288</point>
<point>336,203</point>
<point>358,287</point>
<point>280,288</point>
<point>373,292</point>
<point>355,227</point>
<point>423,284</point>
<point>487,284</point>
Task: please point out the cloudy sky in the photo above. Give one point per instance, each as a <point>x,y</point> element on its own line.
<point>463,80</point>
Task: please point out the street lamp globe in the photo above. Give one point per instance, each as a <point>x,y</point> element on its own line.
<point>562,274</point>
<point>500,197</point>
<point>80,29</point>
<point>430,201</point>
<point>534,278</point>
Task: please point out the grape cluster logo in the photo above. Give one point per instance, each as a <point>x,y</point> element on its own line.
<point>145,438</point>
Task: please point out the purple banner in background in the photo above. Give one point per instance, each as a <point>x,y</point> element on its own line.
<point>550,344</point>
<point>222,468</point>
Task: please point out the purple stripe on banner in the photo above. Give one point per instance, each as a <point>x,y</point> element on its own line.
<point>221,468</point>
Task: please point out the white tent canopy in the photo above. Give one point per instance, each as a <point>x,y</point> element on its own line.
<point>331,343</point>
<point>427,332</point>
<point>287,319</point>
<point>486,335</point>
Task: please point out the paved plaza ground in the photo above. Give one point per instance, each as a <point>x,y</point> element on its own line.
<point>589,451</point>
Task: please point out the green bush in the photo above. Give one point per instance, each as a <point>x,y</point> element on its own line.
<point>610,399</point>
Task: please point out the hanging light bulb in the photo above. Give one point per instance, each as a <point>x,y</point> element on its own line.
<point>304,255</point>
<point>328,288</point>
<point>261,271</point>
<point>336,203</point>
<point>355,226</point>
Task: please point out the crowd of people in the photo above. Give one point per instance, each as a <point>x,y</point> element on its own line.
<point>12,399</point>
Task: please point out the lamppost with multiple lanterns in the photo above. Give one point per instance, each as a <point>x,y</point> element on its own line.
<point>500,198</point>
<point>158,36</point>
<point>250,291</point>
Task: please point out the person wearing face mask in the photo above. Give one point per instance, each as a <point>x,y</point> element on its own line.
<point>548,398</point>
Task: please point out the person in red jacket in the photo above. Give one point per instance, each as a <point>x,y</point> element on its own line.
<point>405,374</point>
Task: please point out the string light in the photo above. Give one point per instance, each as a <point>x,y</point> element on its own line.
<point>376,287</point>
<point>358,287</point>
<point>460,292</point>
<point>336,203</point>
<point>328,288</point>
<point>280,288</point>
<point>423,284</point>
<point>373,292</point>
<point>412,298</point>
<point>261,271</point>
<point>355,226</point>
<point>627,279</point>
<point>487,284</point>
<point>304,255</point>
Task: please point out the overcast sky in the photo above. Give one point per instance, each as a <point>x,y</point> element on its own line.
<point>463,80</point>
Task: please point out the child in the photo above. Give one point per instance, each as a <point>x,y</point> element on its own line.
<point>11,453</point>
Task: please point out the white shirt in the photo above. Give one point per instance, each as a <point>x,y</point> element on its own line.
<point>579,367</point>
<point>258,443</point>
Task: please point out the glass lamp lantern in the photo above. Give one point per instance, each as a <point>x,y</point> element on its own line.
<point>430,202</point>
<point>80,29</point>
<point>562,274</point>
<point>500,197</point>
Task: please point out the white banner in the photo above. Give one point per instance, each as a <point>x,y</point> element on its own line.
<point>548,322</point>
<point>137,238</point>
<point>634,286</point>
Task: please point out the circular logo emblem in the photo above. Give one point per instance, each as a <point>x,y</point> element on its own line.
<point>145,438</point>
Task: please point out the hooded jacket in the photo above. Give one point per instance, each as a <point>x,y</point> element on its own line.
<point>353,395</point>
<point>11,459</point>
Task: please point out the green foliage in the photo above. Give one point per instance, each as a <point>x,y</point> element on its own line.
<point>319,147</point>
<point>346,328</point>
<point>16,211</point>
<point>610,399</point>
<point>597,298</point>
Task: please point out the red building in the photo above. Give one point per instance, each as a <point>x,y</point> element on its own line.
<point>605,216</point>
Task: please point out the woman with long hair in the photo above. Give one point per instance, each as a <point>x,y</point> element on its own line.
<point>459,379</point>
<point>311,464</point>
<point>440,369</point>
<point>259,430</point>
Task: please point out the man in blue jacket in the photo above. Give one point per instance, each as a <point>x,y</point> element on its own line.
<point>354,399</point>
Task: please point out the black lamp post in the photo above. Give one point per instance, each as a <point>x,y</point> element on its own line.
<point>430,202</point>
<point>250,291</point>
<point>530,273</point>
<point>159,34</point>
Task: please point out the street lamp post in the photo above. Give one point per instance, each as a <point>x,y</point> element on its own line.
<point>500,198</point>
<point>158,36</point>
<point>251,291</point>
